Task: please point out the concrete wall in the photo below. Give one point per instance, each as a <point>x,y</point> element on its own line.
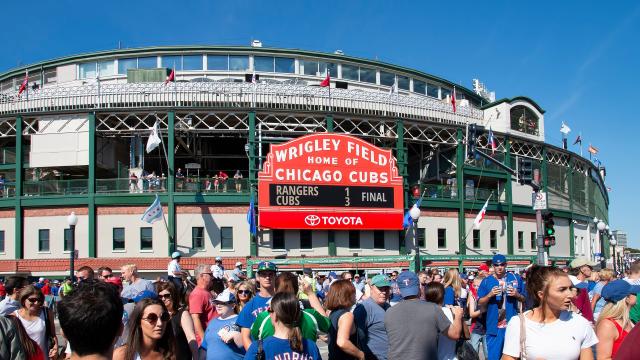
<point>55,220</point>
<point>492,221</point>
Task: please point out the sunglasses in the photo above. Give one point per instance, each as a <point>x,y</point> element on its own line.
<point>153,318</point>
<point>164,296</point>
<point>244,292</point>
<point>35,300</point>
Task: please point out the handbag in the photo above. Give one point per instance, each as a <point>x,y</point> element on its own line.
<point>464,350</point>
<point>523,337</point>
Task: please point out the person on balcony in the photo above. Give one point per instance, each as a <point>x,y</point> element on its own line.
<point>133,183</point>
<point>1,185</point>
<point>238,180</point>
<point>179,179</point>
<point>223,177</point>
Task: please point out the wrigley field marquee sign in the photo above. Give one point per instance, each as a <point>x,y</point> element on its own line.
<point>330,181</point>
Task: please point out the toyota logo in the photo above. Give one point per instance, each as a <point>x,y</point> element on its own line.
<point>312,220</point>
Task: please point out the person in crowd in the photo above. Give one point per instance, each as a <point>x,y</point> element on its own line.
<point>501,295</point>
<point>115,281</point>
<point>11,345</point>
<point>581,269</point>
<point>413,326</point>
<point>346,276</point>
<point>358,283</point>
<point>179,179</point>
<point>597,301</point>
<point>307,275</point>
<point>613,323</point>
<point>100,304</point>
<point>216,183</point>
<point>11,302</point>
<point>260,302</point>
<point>395,291</point>
<point>437,277</point>
<point>244,292</point>
<point>201,301</point>
<point>633,278</point>
<point>453,290</point>
<point>342,333</point>
<point>37,320</point>
<point>175,272</point>
<point>149,336</point>
<point>628,350</point>
<point>85,273</point>
<point>483,269</point>
<point>237,274</point>
<point>135,284</point>
<point>550,330</point>
<point>313,319</point>
<point>40,283</point>
<point>222,339</point>
<point>67,287</point>
<point>223,178</point>
<point>238,180</point>
<point>181,321</point>
<point>369,319</point>
<point>217,269</point>
<point>476,314</point>
<point>103,273</point>
<point>133,183</point>
<point>435,294</point>
<point>287,341</point>
<point>3,291</point>
<point>424,277</point>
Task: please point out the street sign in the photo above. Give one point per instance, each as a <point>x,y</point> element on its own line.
<point>539,200</point>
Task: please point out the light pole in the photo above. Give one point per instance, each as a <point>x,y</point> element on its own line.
<point>613,243</point>
<point>415,215</point>
<point>601,227</point>
<point>72,220</point>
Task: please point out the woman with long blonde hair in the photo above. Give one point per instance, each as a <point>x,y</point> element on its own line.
<point>453,291</point>
<point>613,323</point>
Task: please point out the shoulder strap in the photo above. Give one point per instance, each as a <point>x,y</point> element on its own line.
<point>618,327</point>
<point>523,337</point>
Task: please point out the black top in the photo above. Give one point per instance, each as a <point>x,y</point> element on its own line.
<point>335,353</point>
<point>182,345</point>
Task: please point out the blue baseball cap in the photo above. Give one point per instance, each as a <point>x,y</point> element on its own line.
<point>617,290</point>
<point>498,259</point>
<point>408,284</point>
<point>147,294</point>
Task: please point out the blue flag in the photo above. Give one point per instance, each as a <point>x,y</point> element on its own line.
<point>251,218</point>
<point>407,221</point>
<point>153,212</point>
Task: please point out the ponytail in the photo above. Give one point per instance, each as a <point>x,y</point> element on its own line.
<point>287,310</point>
<point>295,339</point>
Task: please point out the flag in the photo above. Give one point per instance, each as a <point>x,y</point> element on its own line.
<point>24,84</point>
<point>492,141</point>
<point>171,77</point>
<point>407,221</point>
<point>154,212</point>
<point>394,87</point>
<point>578,140</point>
<point>480,216</point>
<point>253,78</point>
<point>565,129</point>
<point>327,80</point>
<point>453,99</point>
<point>609,189</point>
<point>154,139</point>
<point>251,218</point>
<point>592,149</point>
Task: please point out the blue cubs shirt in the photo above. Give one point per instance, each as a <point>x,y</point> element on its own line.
<point>279,349</point>
<point>251,310</point>
<point>213,344</point>
<point>495,303</point>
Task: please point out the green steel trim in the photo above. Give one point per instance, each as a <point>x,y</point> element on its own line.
<point>195,198</point>
<point>253,241</point>
<point>331,235</point>
<point>429,257</point>
<point>18,230</point>
<point>572,241</point>
<point>514,99</point>
<point>8,166</point>
<point>329,121</point>
<point>171,117</point>
<point>8,202</point>
<point>91,208</point>
<point>66,200</point>
<point>544,173</point>
<point>402,169</point>
<point>462,227</point>
<point>133,199</point>
<point>329,260</point>
<point>469,170</point>
<point>509,197</point>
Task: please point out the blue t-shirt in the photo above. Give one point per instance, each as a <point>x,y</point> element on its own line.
<point>55,290</point>
<point>496,302</point>
<point>369,318</point>
<point>251,310</point>
<point>276,348</point>
<point>449,296</point>
<point>601,302</point>
<point>395,292</point>
<point>216,348</point>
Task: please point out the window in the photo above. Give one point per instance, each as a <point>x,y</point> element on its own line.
<point>226,238</point>
<point>50,75</point>
<point>421,237</point>
<point>238,62</point>
<point>387,79</point>
<point>368,75</point>
<point>444,93</point>
<point>442,238</point>
<point>217,62</point>
<point>43,240</point>
<point>197,237</point>
<point>126,64</point>
<point>277,239</point>
<point>533,240</point>
<point>285,65</point>
<point>146,238</point>
<point>1,241</point>
<point>403,82</point>
<point>87,71</point>
<point>524,120</point>
<point>520,239</point>
<point>315,68</point>
<point>67,240</point>
<point>476,239</point>
<point>150,62</point>
<point>192,62</point>
<point>263,63</point>
<point>378,239</point>
<point>118,238</point>
<point>419,87</point>
<point>493,239</point>
<point>350,72</point>
<point>432,90</point>
<point>354,239</point>
<point>305,239</point>
<point>171,61</point>
<point>106,68</point>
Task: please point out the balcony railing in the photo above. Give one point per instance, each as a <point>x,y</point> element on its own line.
<point>210,186</point>
<point>7,155</point>
<point>434,191</point>
<point>7,190</point>
<point>159,185</point>
<point>55,187</point>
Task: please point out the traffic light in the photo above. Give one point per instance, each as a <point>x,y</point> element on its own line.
<point>525,171</point>
<point>472,139</point>
<point>549,231</point>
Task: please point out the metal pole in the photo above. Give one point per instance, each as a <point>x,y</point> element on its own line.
<point>73,251</point>
<point>615,267</point>
<point>415,243</point>
<point>539,237</point>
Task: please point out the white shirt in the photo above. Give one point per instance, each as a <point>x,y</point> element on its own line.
<point>173,267</point>
<point>36,329</point>
<point>562,339</point>
<point>218,271</point>
<point>446,346</point>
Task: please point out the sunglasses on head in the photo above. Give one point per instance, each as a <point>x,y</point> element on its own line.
<point>153,318</point>
<point>35,300</point>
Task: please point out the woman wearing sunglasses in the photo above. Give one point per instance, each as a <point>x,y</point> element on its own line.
<point>149,336</point>
<point>35,318</point>
<point>222,339</point>
<point>244,291</point>
<point>181,322</point>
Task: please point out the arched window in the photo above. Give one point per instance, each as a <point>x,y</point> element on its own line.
<point>524,120</point>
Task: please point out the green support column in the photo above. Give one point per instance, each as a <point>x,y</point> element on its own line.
<point>171,119</point>
<point>331,234</point>
<point>91,208</point>
<point>401,157</point>
<point>572,237</point>
<point>253,241</point>
<point>462,226</point>
<point>18,243</point>
<point>329,122</point>
<point>509,195</point>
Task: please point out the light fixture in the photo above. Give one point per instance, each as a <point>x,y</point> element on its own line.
<point>72,219</point>
<point>613,241</point>
<point>601,225</point>
<point>595,220</point>
<point>414,212</point>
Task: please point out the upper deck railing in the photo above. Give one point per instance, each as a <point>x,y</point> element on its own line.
<point>289,97</point>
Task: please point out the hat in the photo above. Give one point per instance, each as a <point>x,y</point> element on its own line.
<point>218,258</point>
<point>56,281</point>
<point>267,266</point>
<point>483,267</point>
<point>498,259</point>
<point>619,289</point>
<point>408,284</point>
<point>41,279</point>
<point>226,297</point>
<point>471,277</point>
<point>356,275</point>
<point>114,280</point>
<point>332,274</point>
<point>238,264</point>
<point>175,254</point>
<point>147,294</point>
<point>577,283</point>
<point>380,281</point>
<point>580,262</point>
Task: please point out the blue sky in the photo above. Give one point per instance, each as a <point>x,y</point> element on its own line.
<point>578,60</point>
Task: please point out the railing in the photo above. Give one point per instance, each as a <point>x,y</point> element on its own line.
<point>211,186</point>
<point>234,95</point>
<point>8,155</point>
<point>128,186</point>
<point>7,190</point>
<point>183,185</point>
<point>55,187</point>
<point>434,191</point>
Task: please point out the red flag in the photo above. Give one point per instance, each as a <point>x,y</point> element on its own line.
<point>171,77</point>
<point>327,81</point>
<point>24,84</point>
<point>592,149</point>
<point>453,100</point>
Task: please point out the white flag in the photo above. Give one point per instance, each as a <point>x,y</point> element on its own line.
<point>480,216</point>
<point>154,139</point>
<point>154,212</point>
<point>564,128</point>
<point>394,88</point>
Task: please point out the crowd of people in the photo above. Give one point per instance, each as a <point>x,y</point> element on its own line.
<point>150,182</point>
<point>544,312</point>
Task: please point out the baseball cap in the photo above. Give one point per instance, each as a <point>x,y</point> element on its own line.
<point>380,281</point>
<point>356,275</point>
<point>226,297</point>
<point>619,289</point>
<point>580,262</point>
<point>408,284</point>
<point>238,263</point>
<point>147,294</point>
<point>498,259</point>
<point>332,274</point>
<point>175,254</point>
<point>483,267</point>
<point>267,266</point>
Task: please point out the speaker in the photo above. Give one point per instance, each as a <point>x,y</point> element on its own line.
<point>247,77</point>
<point>342,85</point>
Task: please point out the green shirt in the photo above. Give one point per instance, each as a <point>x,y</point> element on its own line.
<point>310,322</point>
<point>66,289</point>
<point>634,313</point>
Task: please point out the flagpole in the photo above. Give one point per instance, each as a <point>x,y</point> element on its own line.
<point>581,144</point>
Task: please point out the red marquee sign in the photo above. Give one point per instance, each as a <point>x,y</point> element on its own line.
<point>330,181</point>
